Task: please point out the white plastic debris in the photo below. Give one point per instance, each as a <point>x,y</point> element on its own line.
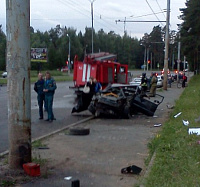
<point>177,114</point>
<point>194,131</point>
<point>157,125</point>
<point>186,122</point>
<point>155,116</point>
<point>68,178</point>
<point>170,106</point>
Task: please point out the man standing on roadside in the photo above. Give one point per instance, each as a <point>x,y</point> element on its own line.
<point>38,87</point>
<point>49,90</point>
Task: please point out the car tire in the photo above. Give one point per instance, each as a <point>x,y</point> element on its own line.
<point>79,131</point>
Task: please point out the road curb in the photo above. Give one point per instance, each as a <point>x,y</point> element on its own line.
<point>54,132</point>
<point>148,169</point>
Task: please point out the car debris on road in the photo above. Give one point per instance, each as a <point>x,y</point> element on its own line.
<point>118,100</point>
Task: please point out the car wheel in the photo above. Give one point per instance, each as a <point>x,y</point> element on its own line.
<point>79,131</point>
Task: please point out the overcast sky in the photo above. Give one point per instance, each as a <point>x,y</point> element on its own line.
<point>46,14</point>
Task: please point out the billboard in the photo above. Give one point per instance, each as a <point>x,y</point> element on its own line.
<point>38,54</point>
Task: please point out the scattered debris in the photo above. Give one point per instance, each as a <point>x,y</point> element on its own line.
<point>186,123</point>
<point>157,125</point>
<point>43,147</point>
<point>155,116</point>
<point>194,131</point>
<point>68,178</point>
<point>76,183</point>
<point>32,169</point>
<point>131,169</point>
<point>177,114</point>
<point>170,106</point>
<point>79,131</point>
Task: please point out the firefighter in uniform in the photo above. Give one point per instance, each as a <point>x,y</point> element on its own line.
<point>143,85</point>
<point>153,85</point>
<point>38,87</point>
<point>49,90</point>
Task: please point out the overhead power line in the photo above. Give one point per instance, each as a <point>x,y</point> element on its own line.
<point>160,8</point>
<point>139,21</point>
<point>146,15</point>
<point>86,12</point>
<point>154,12</point>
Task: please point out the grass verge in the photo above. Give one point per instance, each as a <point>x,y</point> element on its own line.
<point>57,75</point>
<point>177,161</point>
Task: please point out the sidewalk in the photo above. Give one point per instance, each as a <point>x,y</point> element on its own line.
<point>97,159</point>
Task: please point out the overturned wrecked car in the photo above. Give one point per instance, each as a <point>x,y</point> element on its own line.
<point>118,100</point>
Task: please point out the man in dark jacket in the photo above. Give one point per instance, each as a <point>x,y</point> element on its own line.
<point>49,90</point>
<point>38,87</point>
<point>143,85</point>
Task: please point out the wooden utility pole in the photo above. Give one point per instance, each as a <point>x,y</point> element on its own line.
<point>18,67</point>
<point>166,47</point>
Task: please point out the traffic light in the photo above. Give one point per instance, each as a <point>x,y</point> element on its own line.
<point>149,61</point>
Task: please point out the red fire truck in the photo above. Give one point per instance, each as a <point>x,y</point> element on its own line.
<point>103,67</point>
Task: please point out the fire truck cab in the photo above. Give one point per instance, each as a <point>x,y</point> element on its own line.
<point>101,66</point>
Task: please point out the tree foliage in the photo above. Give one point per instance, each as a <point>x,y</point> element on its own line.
<point>128,50</point>
<point>2,49</point>
<point>190,32</point>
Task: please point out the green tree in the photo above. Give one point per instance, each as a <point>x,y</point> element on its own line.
<point>2,49</point>
<point>157,45</point>
<point>190,33</point>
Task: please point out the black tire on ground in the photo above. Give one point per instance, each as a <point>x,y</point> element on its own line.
<point>79,131</point>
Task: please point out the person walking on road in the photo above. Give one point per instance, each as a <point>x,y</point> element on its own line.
<point>49,90</point>
<point>153,85</point>
<point>38,87</point>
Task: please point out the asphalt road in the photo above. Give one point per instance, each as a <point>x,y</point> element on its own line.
<point>63,103</point>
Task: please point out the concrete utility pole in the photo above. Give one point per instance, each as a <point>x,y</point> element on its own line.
<point>69,62</point>
<point>92,14</point>
<point>19,96</point>
<point>145,52</point>
<point>166,46</point>
<point>147,58</point>
<point>179,57</point>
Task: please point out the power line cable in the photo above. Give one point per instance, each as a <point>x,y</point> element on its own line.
<point>160,8</point>
<point>146,15</point>
<point>153,12</point>
<point>70,3</point>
